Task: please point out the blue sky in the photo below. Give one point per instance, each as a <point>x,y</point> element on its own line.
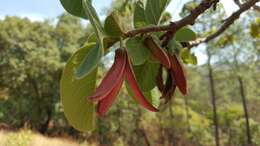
<point>39,9</point>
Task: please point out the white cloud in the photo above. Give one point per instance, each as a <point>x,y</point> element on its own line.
<point>200,53</point>
<point>229,6</point>
<point>2,17</point>
<point>175,8</point>
<point>31,16</point>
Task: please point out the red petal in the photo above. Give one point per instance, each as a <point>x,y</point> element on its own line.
<point>106,103</point>
<point>112,78</point>
<point>138,95</point>
<point>159,79</point>
<point>179,75</point>
<point>158,52</point>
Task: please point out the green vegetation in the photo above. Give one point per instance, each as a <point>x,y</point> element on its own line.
<point>33,55</point>
<point>22,138</point>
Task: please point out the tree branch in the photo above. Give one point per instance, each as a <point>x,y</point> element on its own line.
<point>255,7</point>
<point>174,26</point>
<point>237,2</point>
<point>229,21</point>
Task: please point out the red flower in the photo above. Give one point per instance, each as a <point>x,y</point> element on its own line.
<point>177,74</point>
<point>110,86</point>
<point>172,64</point>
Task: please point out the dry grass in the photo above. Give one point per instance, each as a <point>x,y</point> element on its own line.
<point>21,139</point>
<point>2,138</point>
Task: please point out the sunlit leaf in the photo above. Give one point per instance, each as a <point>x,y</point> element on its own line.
<point>188,57</point>
<point>78,110</point>
<point>185,34</point>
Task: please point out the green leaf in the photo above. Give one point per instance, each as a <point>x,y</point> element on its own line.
<point>109,42</point>
<point>193,59</point>
<point>138,52</point>
<point>139,15</point>
<point>154,97</point>
<point>92,38</point>
<point>94,20</point>
<point>146,75</point>
<point>78,110</point>
<point>174,47</point>
<point>185,34</point>
<point>74,7</point>
<point>113,25</point>
<point>188,57</point>
<point>90,61</point>
<point>154,10</point>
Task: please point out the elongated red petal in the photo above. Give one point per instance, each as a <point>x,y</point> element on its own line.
<point>112,78</point>
<point>135,88</point>
<point>158,52</point>
<point>105,104</point>
<point>179,75</point>
<point>159,79</point>
<point>171,90</point>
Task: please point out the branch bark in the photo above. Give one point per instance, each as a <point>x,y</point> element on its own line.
<point>228,22</point>
<point>174,26</point>
<point>255,7</point>
<point>190,20</point>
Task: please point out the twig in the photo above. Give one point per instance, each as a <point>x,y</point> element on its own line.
<point>188,20</point>
<point>255,7</point>
<point>229,21</point>
<point>237,2</point>
<point>174,26</point>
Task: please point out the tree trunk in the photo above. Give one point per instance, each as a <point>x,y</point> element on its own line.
<point>139,130</point>
<point>213,99</point>
<point>243,96</point>
<point>146,139</point>
<point>187,113</point>
<point>44,126</point>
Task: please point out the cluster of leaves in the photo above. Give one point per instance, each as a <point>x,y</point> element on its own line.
<point>149,60</point>
<point>26,63</point>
